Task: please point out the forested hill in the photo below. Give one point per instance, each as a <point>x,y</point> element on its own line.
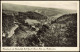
<point>67,17</point>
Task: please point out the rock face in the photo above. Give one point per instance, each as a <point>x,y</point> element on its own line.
<point>11,33</point>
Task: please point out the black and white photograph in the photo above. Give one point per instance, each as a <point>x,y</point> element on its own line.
<point>39,24</point>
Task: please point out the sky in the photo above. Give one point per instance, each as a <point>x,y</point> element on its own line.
<point>72,5</point>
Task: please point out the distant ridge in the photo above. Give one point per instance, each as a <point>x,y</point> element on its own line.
<point>43,10</point>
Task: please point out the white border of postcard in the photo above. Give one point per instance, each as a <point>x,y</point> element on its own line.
<point>43,48</point>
